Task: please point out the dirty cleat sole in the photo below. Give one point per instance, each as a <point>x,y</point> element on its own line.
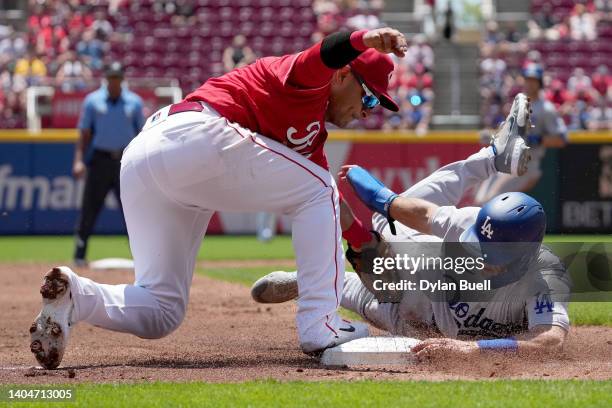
<point>275,287</point>
<point>50,330</point>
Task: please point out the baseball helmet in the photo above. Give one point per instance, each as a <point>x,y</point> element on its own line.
<point>533,70</point>
<point>508,233</point>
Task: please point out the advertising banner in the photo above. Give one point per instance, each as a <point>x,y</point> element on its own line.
<point>38,195</point>
<point>586,189</point>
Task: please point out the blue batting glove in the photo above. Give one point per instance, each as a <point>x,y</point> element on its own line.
<point>374,194</point>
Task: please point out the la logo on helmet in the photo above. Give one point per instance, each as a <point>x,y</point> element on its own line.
<point>487,228</point>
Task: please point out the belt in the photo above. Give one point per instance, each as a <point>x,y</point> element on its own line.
<point>186,106</point>
<point>114,154</point>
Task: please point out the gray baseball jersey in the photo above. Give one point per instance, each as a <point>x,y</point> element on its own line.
<point>522,305</point>
<point>513,308</point>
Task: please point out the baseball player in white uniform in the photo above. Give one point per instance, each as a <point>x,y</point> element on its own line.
<point>248,141</point>
<point>529,313</point>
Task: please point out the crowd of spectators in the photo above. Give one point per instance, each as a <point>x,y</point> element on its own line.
<point>584,99</point>
<point>412,87</point>
<point>412,82</point>
<point>64,45</point>
<point>580,24</point>
<point>333,15</point>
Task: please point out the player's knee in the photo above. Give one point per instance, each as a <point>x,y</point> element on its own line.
<point>164,323</point>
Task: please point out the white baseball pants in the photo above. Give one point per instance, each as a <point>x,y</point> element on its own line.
<point>174,175</point>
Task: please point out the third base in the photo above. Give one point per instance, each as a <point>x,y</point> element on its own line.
<point>371,351</point>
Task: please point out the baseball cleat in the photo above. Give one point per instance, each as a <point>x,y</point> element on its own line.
<point>275,287</point>
<point>50,331</point>
<point>348,332</point>
<point>512,155</point>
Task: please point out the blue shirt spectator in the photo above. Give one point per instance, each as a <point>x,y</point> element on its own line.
<point>91,49</point>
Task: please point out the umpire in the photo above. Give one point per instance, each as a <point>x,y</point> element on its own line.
<point>110,118</point>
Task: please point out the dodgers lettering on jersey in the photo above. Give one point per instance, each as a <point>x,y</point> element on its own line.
<point>488,319</point>
<point>263,98</point>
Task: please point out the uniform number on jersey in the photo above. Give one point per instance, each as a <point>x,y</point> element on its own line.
<point>487,228</point>
<point>301,143</point>
<point>543,301</point>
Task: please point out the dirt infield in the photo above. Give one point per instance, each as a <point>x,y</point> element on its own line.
<point>227,337</point>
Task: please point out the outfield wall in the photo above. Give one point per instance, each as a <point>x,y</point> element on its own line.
<point>38,195</point>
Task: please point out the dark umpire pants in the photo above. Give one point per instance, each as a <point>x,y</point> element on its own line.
<point>102,177</point>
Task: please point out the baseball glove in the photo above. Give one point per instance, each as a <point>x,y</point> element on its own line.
<point>363,264</point>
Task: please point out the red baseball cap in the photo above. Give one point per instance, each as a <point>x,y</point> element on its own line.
<point>376,69</point>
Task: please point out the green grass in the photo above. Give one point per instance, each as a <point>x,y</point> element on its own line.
<point>511,393</point>
<point>591,313</point>
<point>577,238</point>
<point>245,276</point>
<point>60,248</point>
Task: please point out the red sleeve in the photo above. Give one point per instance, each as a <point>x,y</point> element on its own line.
<point>309,70</point>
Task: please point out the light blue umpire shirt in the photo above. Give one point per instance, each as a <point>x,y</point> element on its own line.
<point>113,124</point>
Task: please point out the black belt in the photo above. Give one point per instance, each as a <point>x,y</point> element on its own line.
<point>110,154</point>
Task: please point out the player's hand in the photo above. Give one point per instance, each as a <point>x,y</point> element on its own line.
<point>386,40</point>
<point>78,169</point>
<point>438,348</point>
<point>344,171</point>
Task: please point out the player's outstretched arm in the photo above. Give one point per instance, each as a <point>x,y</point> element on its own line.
<point>541,339</point>
<point>315,66</point>
<point>411,212</point>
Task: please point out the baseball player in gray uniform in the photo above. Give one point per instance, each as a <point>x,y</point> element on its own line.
<point>548,130</point>
<point>524,314</point>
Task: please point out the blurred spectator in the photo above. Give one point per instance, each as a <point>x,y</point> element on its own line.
<point>492,34</point>
<point>582,24</point>
<point>493,69</point>
<point>73,73</point>
<point>544,18</point>
<point>238,54</point>
<point>12,46</point>
<point>512,34</point>
<point>449,23</point>
<point>602,80</point>
<point>101,26</point>
<point>558,95</point>
<point>31,68</point>
<point>600,115</point>
<point>78,22</point>
<point>533,56</point>
<point>411,85</point>
<point>363,20</point>
<point>91,49</point>
<point>420,53</point>
<point>184,13</point>
<point>325,6</point>
<point>579,82</point>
